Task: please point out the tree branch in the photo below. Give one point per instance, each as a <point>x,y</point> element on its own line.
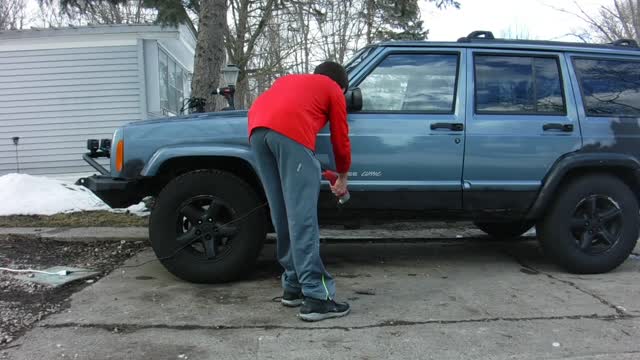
<point>259,29</point>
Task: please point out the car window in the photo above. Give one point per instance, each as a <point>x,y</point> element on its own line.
<point>411,83</point>
<point>518,85</point>
<point>609,87</point>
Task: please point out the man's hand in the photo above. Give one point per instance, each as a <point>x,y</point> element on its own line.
<point>340,186</point>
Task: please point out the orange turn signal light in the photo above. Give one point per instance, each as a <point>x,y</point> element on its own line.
<point>119,155</point>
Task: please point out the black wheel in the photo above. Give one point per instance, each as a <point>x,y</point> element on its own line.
<point>503,230</point>
<point>593,225</point>
<point>207,226</point>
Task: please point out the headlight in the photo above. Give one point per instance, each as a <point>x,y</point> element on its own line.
<point>105,145</point>
<point>93,145</point>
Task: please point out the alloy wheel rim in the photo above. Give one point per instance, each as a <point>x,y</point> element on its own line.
<point>596,224</point>
<point>203,228</point>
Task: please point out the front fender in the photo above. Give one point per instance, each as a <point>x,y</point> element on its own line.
<point>170,152</point>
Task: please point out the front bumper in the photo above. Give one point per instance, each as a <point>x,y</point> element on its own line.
<point>117,193</point>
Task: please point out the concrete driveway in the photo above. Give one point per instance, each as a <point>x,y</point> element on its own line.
<point>467,298</point>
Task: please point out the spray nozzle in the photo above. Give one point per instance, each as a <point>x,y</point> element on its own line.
<point>332,177</point>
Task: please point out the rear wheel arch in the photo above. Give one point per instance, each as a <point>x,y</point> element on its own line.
<point>574,166</point>
<point>628,175</point>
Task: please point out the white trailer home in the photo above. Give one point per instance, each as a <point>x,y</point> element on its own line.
<point>62,86</point>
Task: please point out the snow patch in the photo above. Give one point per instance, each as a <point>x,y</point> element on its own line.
<point>22,194</point>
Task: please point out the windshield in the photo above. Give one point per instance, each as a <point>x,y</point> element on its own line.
<point>357,58</point>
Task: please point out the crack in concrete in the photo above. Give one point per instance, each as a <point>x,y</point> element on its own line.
<point>610,355</point>
<point>618,309</point>
<point>129,328</point>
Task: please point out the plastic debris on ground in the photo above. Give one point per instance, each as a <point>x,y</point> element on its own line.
<point>58,280</point>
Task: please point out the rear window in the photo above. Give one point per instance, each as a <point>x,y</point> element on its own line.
<point>518,85</point>
<point>609,88</point>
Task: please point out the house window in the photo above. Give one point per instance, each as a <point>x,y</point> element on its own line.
<point>174,84</point>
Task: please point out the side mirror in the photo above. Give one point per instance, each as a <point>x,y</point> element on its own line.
<point>354,99</point>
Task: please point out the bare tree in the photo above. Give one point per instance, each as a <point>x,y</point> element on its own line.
<point>102,12</point>
<point>298,34</point>
<point>285,47</point>
<point>54,14</point>
<point>128,12</point>
<point>250,18</point>
<point>341,32</point>
<point>619,20</point>
<point>268,39</point>
<point>12,14</point>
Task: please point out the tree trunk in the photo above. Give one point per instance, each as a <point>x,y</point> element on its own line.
<point>369,20</point>
<point>210,54</point>
<point>242,91</point>
<point>238,56</point>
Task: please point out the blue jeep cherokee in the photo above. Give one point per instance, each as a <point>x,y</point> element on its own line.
<point>509,134</point>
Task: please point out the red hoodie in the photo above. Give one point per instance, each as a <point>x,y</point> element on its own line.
<point>299,106</point>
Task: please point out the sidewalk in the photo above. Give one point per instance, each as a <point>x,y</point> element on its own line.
<point>142,234</point>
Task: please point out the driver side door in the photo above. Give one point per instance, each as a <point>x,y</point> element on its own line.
<point>408,139</point>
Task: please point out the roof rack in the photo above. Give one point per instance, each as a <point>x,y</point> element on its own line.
<point>488,35</point>
<point>625,42</point>
<point>477,35</point>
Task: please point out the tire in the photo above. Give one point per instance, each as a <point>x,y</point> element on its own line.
<point>503,230</point>
<point>564,230</point>
<point>202,251</point>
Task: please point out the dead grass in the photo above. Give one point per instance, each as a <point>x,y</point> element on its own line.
<point>78,219</point>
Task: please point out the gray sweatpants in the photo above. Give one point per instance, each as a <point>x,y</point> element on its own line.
<point>291,175</point>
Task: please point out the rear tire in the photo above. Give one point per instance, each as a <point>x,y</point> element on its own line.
<point>503,230</point>
<point>190,231</point>
<point>592,227</point>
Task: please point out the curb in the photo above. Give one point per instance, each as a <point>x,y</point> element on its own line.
<point>94,234</point>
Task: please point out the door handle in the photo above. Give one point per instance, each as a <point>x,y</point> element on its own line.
<point>557,126</point>
<point>448,126</point>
